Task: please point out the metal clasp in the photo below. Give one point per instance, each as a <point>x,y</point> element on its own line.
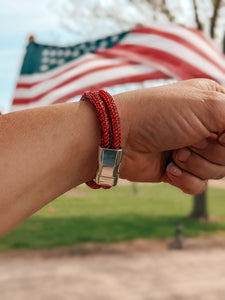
<point>108,169</point>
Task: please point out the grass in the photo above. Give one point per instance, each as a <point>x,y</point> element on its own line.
<point>113,216</point>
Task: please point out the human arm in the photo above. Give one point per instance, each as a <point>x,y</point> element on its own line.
<point>46,151</point>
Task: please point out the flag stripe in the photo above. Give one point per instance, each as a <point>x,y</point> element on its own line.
<point>39,77</point>
<point>219,63</point>
<point>172,58</point>
<point>122,75</point>
<point>159,52</point>
<point>172,49</point>
<point>191,35</point>
<point>157,80</point>
<point>172,65</point>
<point>127,79</point>
<point>44,87</point>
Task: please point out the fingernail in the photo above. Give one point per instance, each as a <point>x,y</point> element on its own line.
<point>221,138</point>
<point>202,144</point>
<point>173,169</point>
<point>183,154</point>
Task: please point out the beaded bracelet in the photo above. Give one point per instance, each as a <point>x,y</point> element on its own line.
<point>110,152</point>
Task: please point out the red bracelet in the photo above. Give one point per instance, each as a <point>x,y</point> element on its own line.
<point>110,148</point>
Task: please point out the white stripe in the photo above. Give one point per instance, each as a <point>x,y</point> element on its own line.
<point>112,90</point>
<point>196,40</point>
<point>93,79</point>
<point>180,31</point>
<point>177,50</point>
<point>51,83</point>
<point>145,61</point>
<point>30,78</point>
<point>149,40</point>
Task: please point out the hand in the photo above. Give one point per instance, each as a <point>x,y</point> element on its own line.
<point>156,122</point>
<point>193,166</point>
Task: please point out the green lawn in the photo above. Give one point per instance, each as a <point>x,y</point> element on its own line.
<point>115,215</point>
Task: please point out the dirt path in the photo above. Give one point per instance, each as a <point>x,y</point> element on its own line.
<point>139,270</point>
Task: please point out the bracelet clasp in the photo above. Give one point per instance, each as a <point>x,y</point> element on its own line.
<point>108,170</point>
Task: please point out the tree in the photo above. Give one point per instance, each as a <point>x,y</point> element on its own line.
<point>111,16</point>
<point>200,207</point>
<point>209,16</point>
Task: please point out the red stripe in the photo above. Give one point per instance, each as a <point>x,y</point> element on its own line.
<point>206,40</point>
<point>139,54</point>
<point>143,30</point>
<point>173,64</point>
<point>76,77</point>
<point>74,66</point>
<point>181,41</point>
<point>197,32</point>
<point>128,79</point>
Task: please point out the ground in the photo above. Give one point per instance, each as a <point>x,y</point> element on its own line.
<point>138,270</point>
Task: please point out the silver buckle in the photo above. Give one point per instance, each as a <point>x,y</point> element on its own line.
<point>108,166</point>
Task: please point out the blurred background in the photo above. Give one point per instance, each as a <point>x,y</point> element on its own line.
<point>66,22</point>
<point>137,241</point>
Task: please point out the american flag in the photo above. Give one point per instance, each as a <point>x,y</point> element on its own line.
<point>53,74</point>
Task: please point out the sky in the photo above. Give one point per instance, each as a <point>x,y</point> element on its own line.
<point>19,19</point>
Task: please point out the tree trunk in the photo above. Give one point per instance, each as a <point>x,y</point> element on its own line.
<point>214,18</point>
<point>200,207</point>
<point>134,189</point>
<point>199,25</point>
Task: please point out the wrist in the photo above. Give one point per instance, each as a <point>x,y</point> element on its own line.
<point>124,108</point>
<point>89,140</point>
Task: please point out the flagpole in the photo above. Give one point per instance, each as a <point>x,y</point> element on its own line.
<point>31,38</point>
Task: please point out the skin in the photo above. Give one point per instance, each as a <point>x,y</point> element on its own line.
<point>171,122</point>
<point>169,134</point>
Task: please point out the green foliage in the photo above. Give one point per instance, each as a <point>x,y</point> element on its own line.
<point>113,216</point>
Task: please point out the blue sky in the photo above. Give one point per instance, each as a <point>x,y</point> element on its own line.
<point>19,19</point>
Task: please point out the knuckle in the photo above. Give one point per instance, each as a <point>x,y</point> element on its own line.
<point>215,109</point>
<point>203,83</point>
<point>209,83</point>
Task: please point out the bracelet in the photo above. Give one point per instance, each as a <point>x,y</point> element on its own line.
<point>110,152</point>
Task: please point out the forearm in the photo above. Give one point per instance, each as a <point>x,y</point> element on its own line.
<point>44,152</point>
<point>47,151</point>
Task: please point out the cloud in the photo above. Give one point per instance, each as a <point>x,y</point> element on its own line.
<point>18,19</point>
<point>24,16</point>
<point>9,52</point>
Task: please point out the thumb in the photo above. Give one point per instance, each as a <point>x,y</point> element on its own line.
<point>183,180</point>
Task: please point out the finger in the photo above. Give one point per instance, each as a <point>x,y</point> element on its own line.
<point>185,181</point>
<point>221,138</point>
<point>197,165</point>
<point>211,150</point>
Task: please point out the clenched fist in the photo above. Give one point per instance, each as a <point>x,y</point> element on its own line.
<point>170,134</point>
